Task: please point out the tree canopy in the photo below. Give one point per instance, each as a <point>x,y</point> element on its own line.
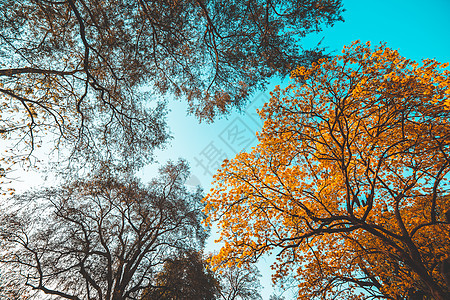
<point>83,69</point>
<point>349,182</point>
<point>104,237</point>
<point>88,76</point>
<point>238,283</point>
<point>187,275</point>
<point>184,276</point>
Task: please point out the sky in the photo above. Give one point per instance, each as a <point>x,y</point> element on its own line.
<point>417,29</point>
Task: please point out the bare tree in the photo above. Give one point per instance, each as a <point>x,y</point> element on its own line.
<point>239,283</point>
<point>100,238</point>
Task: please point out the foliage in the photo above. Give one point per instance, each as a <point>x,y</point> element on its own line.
<point>104,237</point>
<point>349,181</point>
<point>188,276</point>
<point>184,277</point>
<point>79,69</point>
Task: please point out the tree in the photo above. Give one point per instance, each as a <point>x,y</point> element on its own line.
<point>189,276</point>
<point>238,283</point>
<point>104,237</point>
<point>349,181</point>
<point>81,69</point>
<point>184,277</point>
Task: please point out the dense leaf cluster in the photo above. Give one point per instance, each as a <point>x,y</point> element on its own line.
<point>349,181</point>
<point>80,69</point>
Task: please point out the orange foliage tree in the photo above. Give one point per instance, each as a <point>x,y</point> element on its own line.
<point>349,183</point>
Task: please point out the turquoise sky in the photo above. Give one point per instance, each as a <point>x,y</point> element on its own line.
<point>417,29</point>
